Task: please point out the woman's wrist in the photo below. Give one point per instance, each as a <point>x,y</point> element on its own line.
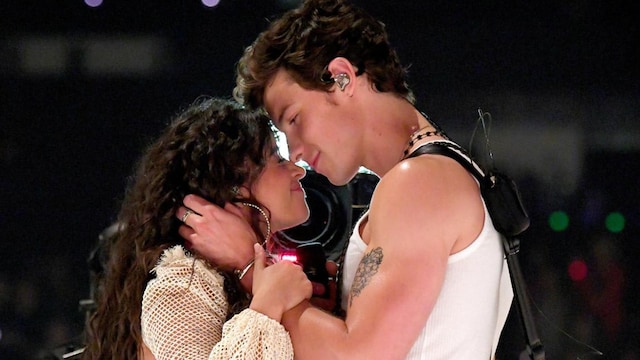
<point>244,257</point>
<point>245,276</point>
<point>240,273</point>
<point>266,308</point>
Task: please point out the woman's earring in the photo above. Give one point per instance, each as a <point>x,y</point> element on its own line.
<point>342,80</point>
<point>266,218</point>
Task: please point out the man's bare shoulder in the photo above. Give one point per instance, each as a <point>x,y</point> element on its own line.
<point>426,197</point>
<point>428,177</point>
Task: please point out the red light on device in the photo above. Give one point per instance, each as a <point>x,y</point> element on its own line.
<point>289,256</point>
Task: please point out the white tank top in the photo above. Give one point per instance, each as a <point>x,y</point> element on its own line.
<point>473,304</point>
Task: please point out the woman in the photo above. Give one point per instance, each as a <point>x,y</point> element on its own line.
<point>162,301</point>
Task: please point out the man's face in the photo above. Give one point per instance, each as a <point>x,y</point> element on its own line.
<point>318,129</point>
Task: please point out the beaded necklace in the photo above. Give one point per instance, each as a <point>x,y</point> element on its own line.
<point>418,137</point>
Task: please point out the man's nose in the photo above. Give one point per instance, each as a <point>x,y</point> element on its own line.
<point>295,151</point>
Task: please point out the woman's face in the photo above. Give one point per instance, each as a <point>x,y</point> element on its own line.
<point>278,188</point>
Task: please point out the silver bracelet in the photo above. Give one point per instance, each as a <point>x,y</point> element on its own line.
<point>241,273</point>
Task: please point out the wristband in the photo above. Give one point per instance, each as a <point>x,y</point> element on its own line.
<point>241,273</point>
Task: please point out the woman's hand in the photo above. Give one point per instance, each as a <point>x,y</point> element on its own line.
<point>278,287</point>
<point>221,235</point>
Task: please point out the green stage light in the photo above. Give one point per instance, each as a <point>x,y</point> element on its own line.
<point>615,222</point>
<point>559,221</point>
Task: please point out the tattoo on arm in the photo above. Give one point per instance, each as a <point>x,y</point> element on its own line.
<point>368,267</point>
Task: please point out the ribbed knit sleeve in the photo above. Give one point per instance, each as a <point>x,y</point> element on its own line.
<point>183,314</point>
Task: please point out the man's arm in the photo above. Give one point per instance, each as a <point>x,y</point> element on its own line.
<point>415,223</point>
<point>221,235</point>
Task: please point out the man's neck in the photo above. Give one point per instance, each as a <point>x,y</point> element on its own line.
<point>392,122</point>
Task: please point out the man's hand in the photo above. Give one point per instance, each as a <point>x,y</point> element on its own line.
<point>221,235</point>
<point>326,298</point>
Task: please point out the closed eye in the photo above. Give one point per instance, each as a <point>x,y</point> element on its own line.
<point>275,152</point>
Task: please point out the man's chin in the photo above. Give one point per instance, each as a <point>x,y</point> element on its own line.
<point>339,179</point>
<point>335,181</point>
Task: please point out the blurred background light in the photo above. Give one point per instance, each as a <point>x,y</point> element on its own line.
<point>578,270</point>
<point>559,221</point>
<point>93,3</point>
<point>210,3</point>
<point>615,222</point>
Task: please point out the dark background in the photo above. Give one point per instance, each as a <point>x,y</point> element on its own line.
<point>83,90</point>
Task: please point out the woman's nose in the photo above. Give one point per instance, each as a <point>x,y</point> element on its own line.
<point>298,171</point>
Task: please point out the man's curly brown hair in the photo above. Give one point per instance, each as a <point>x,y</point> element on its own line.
<point>304,40</point>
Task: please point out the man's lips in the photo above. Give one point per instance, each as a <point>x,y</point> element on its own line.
<point>314,161</point>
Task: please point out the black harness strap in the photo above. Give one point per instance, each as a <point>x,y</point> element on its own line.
<point>510,219</point>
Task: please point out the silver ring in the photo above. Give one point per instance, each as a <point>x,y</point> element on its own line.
<point>186,215</point>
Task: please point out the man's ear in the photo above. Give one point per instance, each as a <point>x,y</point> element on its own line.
<point>343,74</point>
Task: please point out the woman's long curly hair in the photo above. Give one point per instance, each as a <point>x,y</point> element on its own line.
<point>209,148</point>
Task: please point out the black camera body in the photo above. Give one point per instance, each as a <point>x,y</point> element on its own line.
<point>312,258</point>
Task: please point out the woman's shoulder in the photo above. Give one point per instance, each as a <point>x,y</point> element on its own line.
<point>176,262</point>
<point>174,256</point>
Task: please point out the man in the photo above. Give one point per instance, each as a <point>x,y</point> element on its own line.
<point>424,273</point>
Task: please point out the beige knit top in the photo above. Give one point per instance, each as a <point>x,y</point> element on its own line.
<point>183,316</point>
